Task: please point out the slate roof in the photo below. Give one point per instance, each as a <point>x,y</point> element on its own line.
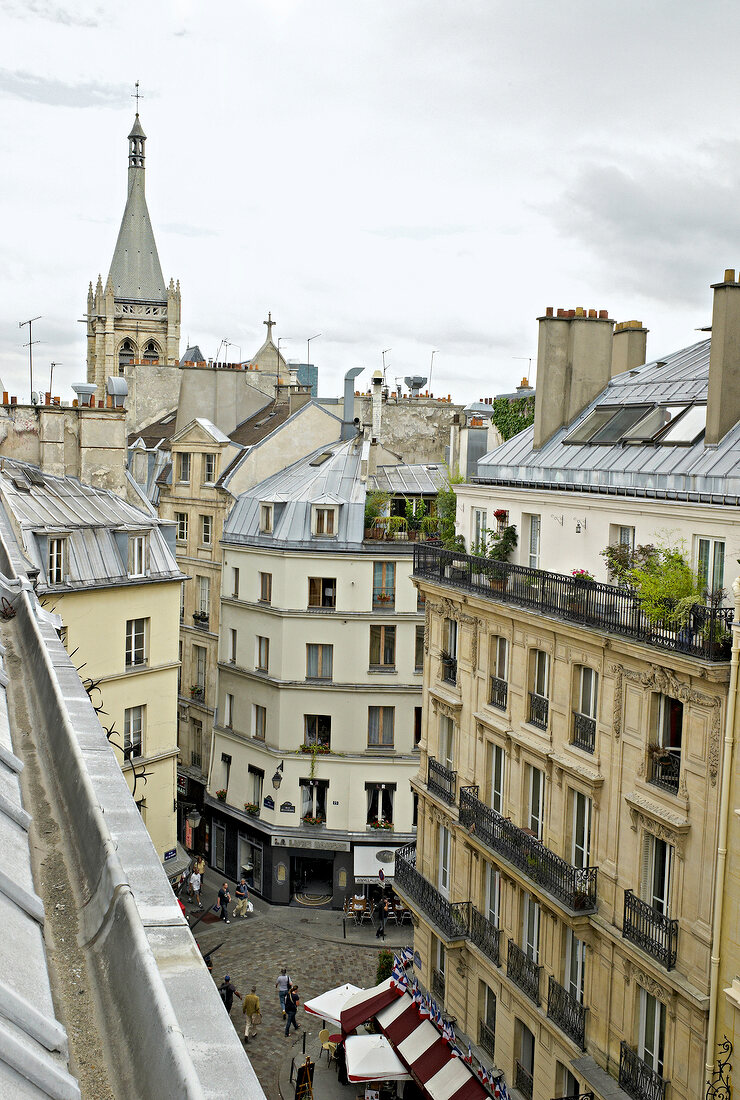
<point>135,270</point>
<point>256,427</point>
<point>157,431</point>
<point>413,478</point>
<point>697,469</point>
<point>193,355</point>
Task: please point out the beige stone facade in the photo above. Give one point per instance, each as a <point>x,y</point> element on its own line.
<point>591,949</point>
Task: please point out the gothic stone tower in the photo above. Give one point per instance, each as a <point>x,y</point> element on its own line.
<point>135,317</point>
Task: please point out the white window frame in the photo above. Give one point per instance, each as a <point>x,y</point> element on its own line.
<point>581,830</point>
<point>500,658</point>
<point>588,691</point>
<point>534,541</point>
<point>235,582</point>
<point>267,516</point>
<point>656,873</point>
<point>265,595</point>
<point>535,800</point>
<point>492,898</point>
<point>447,742</point>
<point>183,467</point>
<point>710,562</point>
<point>324,521</point>
<point>651,1043</point>
<point>56,567</point>
<point>181,519</point>
<point>386,717</point>
<point>531,927</point>
<point>451,637</point>
<point>133,732</point>
<point>228,710</point>
<point>209,468</point>
<point>138,555</point>
<point>204,594</point>
<point>575,960</point>
<point>262,653</point>
<point>324,656</point>
<point>478,530</point>
<point>206,529</point>
<point>498,778</point>
<point>137,631</point>
<point>443,860</point>
<point>626,536</point>
<point>541,673</point>
<point>259,722</point>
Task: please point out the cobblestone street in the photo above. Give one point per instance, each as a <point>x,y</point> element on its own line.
<point>310,944</point>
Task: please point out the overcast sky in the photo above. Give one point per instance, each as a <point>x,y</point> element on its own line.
<point>396,174</point>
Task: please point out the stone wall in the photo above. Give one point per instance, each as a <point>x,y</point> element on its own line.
<point>418,429</point>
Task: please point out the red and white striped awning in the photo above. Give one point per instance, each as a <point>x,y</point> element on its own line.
<point>366,1004</point>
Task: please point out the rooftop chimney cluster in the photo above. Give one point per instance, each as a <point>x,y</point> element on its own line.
<point>579,311</point>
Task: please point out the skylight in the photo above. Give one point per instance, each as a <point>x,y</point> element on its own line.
<point>655,421</point>
<point>620,424</point>
<point>688,428</point>
<point>320,459</point>
<point>595,420</point>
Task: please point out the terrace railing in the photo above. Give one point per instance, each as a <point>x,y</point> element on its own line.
<point>485,935</point>
<point>499,693</point>
<point>441,781</point>
<point>705,634</point>
<point>574,886</point>
<point>523,1080</point>
<point>652,931</point>
<point>665,770</point>
<point>584,732</point>
<point>524,971</point>
<point>637,1078</point>
<point>567,1012</point>
<point>539,708</point>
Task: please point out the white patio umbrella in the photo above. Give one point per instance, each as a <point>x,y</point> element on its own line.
<point>372,1058</point>
<point>327,1006</point>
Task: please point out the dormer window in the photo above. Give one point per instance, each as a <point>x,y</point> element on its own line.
<point>57,560</point>
<point>266,518</point>
<point>209,469</point>
<point>183,459</point>
<point>324,521</point>
<point>138,552</point>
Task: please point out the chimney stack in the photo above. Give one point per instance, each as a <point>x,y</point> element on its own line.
<point>377,383</point>
<point>629,347</point>
<point>574,358</point>
<point>723,395</point>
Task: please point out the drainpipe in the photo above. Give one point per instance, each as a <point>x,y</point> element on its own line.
<point>724,812</point>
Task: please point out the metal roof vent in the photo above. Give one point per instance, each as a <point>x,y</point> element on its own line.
<point>117,388</point>
<point>84,391</point>
<point>414,383</point>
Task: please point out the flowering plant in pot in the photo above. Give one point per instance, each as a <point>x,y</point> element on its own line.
<point>310,820</point>
<point>252,808</point>
<point>378,824</point>
<point>582,576</point>
<point>221,795</point>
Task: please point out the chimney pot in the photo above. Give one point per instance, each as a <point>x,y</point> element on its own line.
<point>548,311</point>
<point>579,311</point>
<point>729,275</point>
<point>592,313</point>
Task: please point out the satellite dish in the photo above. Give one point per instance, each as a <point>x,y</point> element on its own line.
<point>414,383</point>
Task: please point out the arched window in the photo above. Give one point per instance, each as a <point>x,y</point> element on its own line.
<point>151,351</point>
<point>125,356</point>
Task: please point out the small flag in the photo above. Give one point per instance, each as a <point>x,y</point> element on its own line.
<point>469,1055</point>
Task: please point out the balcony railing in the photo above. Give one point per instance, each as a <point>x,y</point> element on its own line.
<point>575,886</point>
<point>523,1080</point>
<point>651,930</point>
<point>539,708</point>
<point>441,781</point>
<point>637,1078</point>
<point>665,769</point>
<point>568,1013</point>
<point>451,918</point>
<point>485,935</point>
<point>438,985</point>
<point>449,668</point>
<point>499,693</point>
<point>705,634</point>
<point>487,1038</point>
<point>577,1096</point>
<point>383,599</point>
<point>584,732</point>
<point>524,971</point>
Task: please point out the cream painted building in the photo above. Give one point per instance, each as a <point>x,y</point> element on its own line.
<point>109,571</point>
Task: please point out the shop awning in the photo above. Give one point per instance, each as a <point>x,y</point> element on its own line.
<point>366,1004</point>
<point>372,1058</point>
<point>370,859</point>
<point>328,1006</point>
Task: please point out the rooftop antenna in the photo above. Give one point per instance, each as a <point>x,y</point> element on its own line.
<point>137,96</point>
<point>384,353</point>
<point>431,366</point>
<point>51,375</point>
<point>30,344</point>
<point>525,358</point>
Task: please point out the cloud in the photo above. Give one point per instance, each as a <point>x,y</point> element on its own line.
<point>66,15</point>
<point>418,232</point>
<point>59,93</point>
<point>183,230</point>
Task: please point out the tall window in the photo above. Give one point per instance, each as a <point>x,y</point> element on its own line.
<point>652,1031</point>
<point>382,646</point>
<point>232,645</point>
<point>493,894</point>
<point>183,466</point>
<point>313,799</point>
<point>657,861</point>
<point>57,560</point>
<point>626,537</point>
<point>206,530</point>
<point>540,673</point>
<point>499,662</point>
<point>235,582</point>
<point>136,631</point>
<point>322,591</point>
<point>711,564</point>
<point>228,710</point>
<point>133,732</point>
<point>530,927</point>
<point>265,587</point>
<point>262,661</point>
<point>181,519</point>
<point>384,584</point>
<point>325,521</point>
<point>380,722</point>
<point>259,722</point>
<point>138,546</point>
<point>209,469</point>
<point>419,649</point>
<point>533,560</point>
<point>575,958</point>
<point>447,742</point>
<point>450,638</point>
<point>417,726</point>
<point>199,664</point>
<point>444,860</point>
<point>317,729</point>
<point>196,743</point>
<point>665,765</point>
<point>380,802</point>
<point>266,512</point>
<point>581,849</point>
<point>478,541</point>
<point>498,772</point>
<point>255,782</point>
<point>588,690</point>
<point>319,661</point>
<point>204,594</point>
<point>536,801</point>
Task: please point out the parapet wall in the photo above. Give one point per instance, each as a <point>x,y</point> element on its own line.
<point>417,428</point>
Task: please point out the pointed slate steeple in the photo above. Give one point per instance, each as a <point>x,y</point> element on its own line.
<point>135,271</point>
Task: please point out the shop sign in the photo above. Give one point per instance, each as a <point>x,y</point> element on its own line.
<point>182,784</point>
<point>171,854</point>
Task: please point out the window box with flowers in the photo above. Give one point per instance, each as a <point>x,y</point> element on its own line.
<point>252,809</point>
<point>221,795</point>
<point>386,825</point>
<point>583,588</point>
<point>309,820</point>
<point>196,691</point>
<point>316,749</point>
<point>501,516</point>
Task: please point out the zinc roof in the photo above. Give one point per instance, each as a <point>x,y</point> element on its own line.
<point>414,478</point>
<point>679,378</point>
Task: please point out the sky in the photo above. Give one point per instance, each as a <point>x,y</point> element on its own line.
<point>404,176</point>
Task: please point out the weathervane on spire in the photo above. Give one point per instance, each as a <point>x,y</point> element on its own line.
<point>137,96</point>
<point>270,324</point>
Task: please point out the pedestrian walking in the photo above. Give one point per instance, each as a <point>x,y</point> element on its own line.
<point>199,865</point>
<point>224,897</point>
<point>282,985</point>
<point>242,898</point>
<point>381,912</point>
<point>228,991</point>
<point>291,1007</point>
<point>251,1009</point>
<point>194,887</point>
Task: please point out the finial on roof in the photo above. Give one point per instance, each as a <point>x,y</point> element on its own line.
<point>270,323</point>
<point>137,96</point>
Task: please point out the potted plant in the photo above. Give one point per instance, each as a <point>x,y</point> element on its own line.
<point>396,528</point>
<point>316,748</point>
<point>309,819</point>
<point>196,691</point>
<point>378,824</point>
<point>429,527</point>
<point>416,511</point>
<point>252,808</point>
<point>200,616</point>
<point>221,795</point>
<point>582,576</point>
<point>666,587</point>
<point>376,507</point>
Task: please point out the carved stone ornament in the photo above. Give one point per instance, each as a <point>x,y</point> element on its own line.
<point>664,681</point>
<point>442,706</point>
<point>427,625</point>
<point>655,989</point>
<point>659,822</point>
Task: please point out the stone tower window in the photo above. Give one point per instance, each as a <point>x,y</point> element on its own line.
<point>125,356</point>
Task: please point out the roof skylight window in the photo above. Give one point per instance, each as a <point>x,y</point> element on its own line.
<point>688,428</point>
<point>620,424</point>
<point>593,422</point>
<point>656,421</point>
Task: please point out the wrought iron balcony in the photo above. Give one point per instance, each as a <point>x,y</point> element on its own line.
<point>441,781</point>
<point>499,693</point>
<point>584,732</point>
<point>487,1038</point>
<point>706,633</point>
<point>637,1078</point>
<point>524,971</point>
<point>485,935</point>
<point>574,886</point>
<point>665,769</point>
<point>438,985</point>
<point>523,1080</point>
<point>452,919</point>
<point>539,708</point>
<point>568,1013</point>
<point>652,931</point>
<point>449,668</point>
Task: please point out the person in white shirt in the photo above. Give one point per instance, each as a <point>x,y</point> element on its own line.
<point>194,885</point>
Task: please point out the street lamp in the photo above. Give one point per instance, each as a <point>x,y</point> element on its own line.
<point>193,818</point>
<point>308,346</point>
<point>278,776</point>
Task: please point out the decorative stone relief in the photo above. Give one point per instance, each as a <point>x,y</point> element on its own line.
<point>427,625</point>
<point>654,819</point>
<point>617,710</point>
<point>656,990</point>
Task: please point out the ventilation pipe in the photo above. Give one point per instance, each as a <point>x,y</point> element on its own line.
<point>349,427</point>
<point>377,399</point>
